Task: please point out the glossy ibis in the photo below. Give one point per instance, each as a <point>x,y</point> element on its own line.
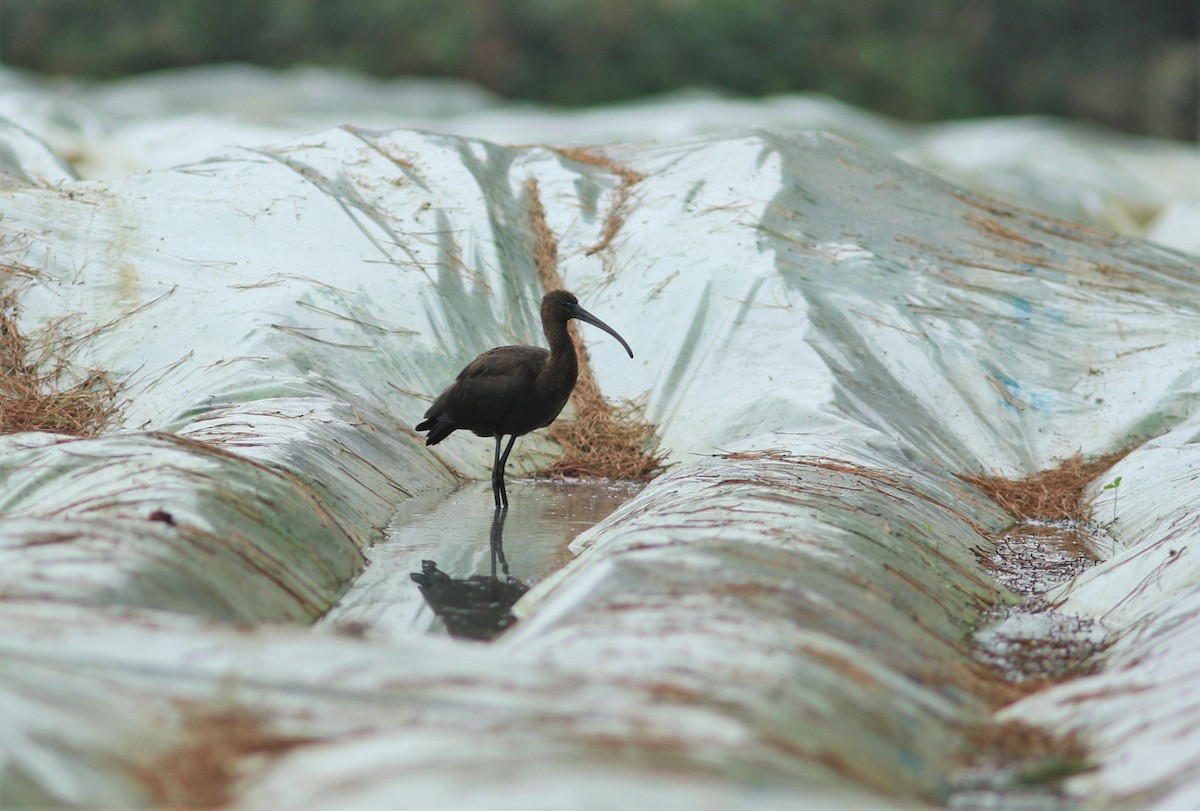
<point>512,390</point>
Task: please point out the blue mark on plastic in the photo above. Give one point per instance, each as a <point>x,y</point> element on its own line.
<point>1040,400</point>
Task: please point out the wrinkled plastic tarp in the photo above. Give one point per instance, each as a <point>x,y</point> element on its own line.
<point>1134,185</point>
<point>824,336</point>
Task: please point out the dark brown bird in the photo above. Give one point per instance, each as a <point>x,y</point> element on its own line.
<point>512,390</point>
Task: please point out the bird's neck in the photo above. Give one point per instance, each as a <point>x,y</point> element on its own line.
<point>563,364</point>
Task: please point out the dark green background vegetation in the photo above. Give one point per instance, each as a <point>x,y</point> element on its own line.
<point>1127,63</point>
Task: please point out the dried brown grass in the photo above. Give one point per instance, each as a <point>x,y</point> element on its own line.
<point>1049,494</point>
<point>31,398</point>
<point>602,441</point>
<point>616,214</point>
<point>202,771</point>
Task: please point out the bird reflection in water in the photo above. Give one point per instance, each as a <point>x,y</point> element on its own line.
<point>479,606</point>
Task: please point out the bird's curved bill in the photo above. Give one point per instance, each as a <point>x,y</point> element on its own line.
<point>584,315</point>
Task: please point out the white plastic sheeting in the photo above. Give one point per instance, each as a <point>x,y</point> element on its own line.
<point>1141,713</point>
<point>784,624</point>
<point>157,521</point>
<point>157,120</point>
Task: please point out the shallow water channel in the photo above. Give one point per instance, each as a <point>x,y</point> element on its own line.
<point>455,530</point>
<point>1019,768</point>
<point>449,538</point>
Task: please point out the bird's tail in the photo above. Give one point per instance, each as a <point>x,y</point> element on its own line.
<point>438,429</point>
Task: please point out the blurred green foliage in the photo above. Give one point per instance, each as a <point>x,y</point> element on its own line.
<point>916,59</point>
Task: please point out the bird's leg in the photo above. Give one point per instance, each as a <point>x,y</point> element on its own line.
<point>497,539</point>
<point>498,490</point>
<point>498,476</point>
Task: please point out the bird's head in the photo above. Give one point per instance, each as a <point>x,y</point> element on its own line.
<point>562,306</point>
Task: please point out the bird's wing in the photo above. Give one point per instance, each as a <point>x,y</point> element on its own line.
<point>495,377</point>
<point>491,387</point>
<point>506,361</point>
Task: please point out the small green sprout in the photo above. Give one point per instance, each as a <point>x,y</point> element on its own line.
<point>1113,485</point>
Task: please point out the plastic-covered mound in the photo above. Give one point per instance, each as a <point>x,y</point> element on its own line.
<point>825,339</point>
<point>1135,185</point>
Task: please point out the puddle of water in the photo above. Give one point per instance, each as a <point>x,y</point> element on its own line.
<point>1028,642</point>
<point>1034,556</point>
<point>454,530</point>
<point>1029,645</point>
<point>1036,648</point>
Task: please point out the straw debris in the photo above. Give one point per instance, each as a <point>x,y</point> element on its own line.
<point>1055,494</point>
<point>616,214</point>
<point>602,441</point>
<point>31,397</point>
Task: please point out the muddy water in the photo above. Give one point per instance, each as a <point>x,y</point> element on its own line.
<point>455,530</point>
<point>1034,556</point>
<point>1029,645</point>
<point>1028,642</point>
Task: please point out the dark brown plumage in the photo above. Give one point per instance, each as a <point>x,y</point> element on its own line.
<point>512,390</point>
